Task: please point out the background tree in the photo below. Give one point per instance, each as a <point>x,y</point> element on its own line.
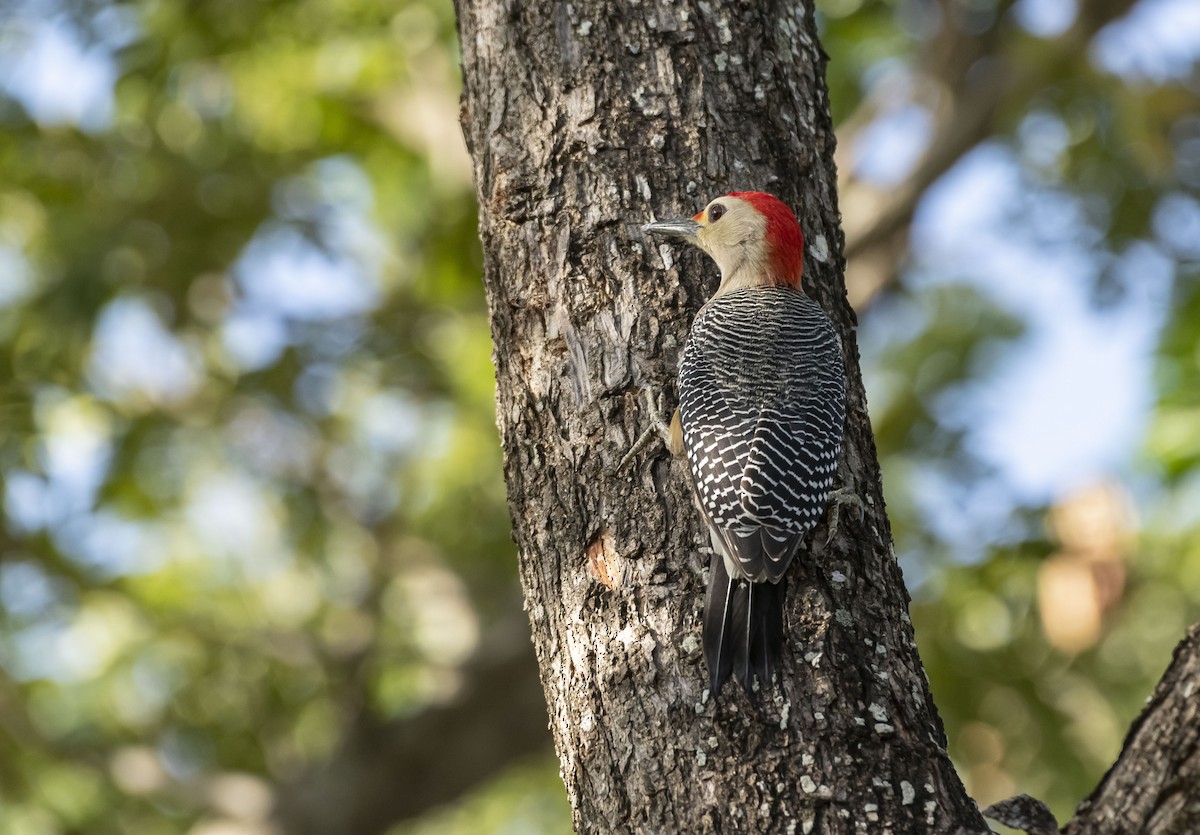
<point>249,395</point>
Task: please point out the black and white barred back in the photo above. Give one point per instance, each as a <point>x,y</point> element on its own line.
<point>762,403</point>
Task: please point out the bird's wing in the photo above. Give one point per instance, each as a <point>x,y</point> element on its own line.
<point>762,475</point>
<point>790,464</point>
<point>735,494</point>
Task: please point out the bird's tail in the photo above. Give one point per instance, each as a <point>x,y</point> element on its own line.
<point>743,628</point>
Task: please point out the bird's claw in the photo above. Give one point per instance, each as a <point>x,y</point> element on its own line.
<point>658,428</point>
<point>838,498</point>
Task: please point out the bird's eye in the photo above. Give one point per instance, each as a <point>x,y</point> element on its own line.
<point>715,212</point>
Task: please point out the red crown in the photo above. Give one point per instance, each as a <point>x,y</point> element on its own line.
<point>784,237</point>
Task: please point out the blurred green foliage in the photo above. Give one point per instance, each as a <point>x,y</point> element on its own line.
<point>249,454</point>
<point>1044,636</point>
<point>251,479</point>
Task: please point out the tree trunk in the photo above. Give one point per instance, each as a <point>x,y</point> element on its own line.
<point>585,121</point>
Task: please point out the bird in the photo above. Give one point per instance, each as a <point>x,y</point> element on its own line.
<point>762,407</point>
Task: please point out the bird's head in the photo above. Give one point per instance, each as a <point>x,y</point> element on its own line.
<point>753,237</point>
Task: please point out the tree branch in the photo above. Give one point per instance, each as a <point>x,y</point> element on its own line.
<point>393,771</point>
<point>1154,786</point>
<point>979,87</point>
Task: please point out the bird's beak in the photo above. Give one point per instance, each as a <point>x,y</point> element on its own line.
<point>682,228</point>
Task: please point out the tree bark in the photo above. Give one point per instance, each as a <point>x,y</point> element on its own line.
<point>585,121</point>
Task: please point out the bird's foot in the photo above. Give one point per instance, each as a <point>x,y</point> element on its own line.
<point>659,429</point>
<point>842,497</point>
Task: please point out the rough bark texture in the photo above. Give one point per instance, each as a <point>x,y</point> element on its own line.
<point>1154,787</point>
<point>584,121</point>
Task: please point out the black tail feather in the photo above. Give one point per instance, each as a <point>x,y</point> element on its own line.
<point>718,625</point>
<point>769,604</point>
<point>743,628</point>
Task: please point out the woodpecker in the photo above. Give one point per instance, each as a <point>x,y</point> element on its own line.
<point>762,406</point>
